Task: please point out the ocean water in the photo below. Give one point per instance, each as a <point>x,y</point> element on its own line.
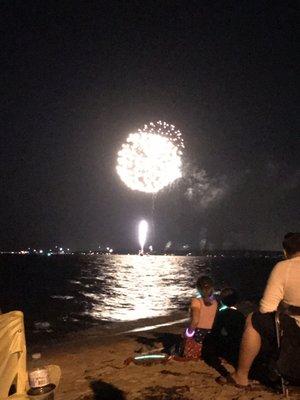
<point>61,294</point>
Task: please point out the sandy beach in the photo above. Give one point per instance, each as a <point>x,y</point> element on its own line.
<point>92,364</point>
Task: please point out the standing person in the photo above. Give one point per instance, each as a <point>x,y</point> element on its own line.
<point>225,336</point>
<point>203,310</point>
<point>260,333</point>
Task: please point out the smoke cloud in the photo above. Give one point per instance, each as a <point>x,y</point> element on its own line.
<point>203,191</point>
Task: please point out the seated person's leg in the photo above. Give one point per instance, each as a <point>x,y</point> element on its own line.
<point>231,355</point>
<point>264,324</point>
<point>264,365</point>
<point>250,346</point>
<point>211,355</point>
<point>259,339</point>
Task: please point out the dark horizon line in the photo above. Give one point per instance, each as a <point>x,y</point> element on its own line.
<point>122,251</point>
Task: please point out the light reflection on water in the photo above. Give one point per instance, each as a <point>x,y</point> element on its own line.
<point>65,293</point>
<point>139,287</point>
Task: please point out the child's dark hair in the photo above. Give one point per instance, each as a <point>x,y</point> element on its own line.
<point>229,297</point>
<point>204,281</point>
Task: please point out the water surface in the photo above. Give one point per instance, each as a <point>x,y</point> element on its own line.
<point>66,293</point>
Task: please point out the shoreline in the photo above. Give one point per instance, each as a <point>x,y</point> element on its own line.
<point>107,329</point>
<point>110,331</point>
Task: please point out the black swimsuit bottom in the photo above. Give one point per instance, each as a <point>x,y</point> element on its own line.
<point>200,334</point>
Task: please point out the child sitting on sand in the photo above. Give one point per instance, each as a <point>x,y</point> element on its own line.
<point>225,336</point>
<point>203,310</point>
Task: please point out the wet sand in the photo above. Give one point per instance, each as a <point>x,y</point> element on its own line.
<point>92,364</point>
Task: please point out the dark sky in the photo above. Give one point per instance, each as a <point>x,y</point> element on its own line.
<point>78,76</point>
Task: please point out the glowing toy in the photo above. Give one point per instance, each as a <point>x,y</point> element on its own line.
<point>148,359</point>
<point>189,332</point>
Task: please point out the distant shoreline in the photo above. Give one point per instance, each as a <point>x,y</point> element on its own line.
<point>176,253</point>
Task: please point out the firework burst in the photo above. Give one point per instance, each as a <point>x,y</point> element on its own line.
<point>150,159</point>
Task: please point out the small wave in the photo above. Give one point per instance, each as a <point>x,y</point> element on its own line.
<point>93,296</point>
<point>62,297</point>
<point>67,318</point>
<point>42,326</point>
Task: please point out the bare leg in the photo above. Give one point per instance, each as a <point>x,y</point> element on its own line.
<point>249,349</point>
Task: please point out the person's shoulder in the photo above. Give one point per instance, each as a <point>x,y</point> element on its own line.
<point>196,302</point>
<point>283,262</point>
<point>295,261</point>
<point>281,266</point>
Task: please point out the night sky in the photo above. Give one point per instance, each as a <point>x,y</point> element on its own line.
<point>78,76</point>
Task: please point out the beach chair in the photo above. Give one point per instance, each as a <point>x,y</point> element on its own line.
<point>12,354</point>
<point>13,371</point>
<point>284,387</point>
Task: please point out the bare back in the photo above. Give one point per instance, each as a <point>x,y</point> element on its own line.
<point>202,314</point>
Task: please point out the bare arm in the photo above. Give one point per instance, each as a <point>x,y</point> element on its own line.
<point>195,313</point>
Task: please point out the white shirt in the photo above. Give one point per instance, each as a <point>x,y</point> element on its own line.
<point>283,285</point>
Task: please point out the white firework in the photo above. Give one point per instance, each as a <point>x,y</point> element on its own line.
<point>165,129</point>
<point>143,230</point>
<point>151,157</point>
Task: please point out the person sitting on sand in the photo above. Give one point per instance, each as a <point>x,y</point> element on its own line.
<point>226,334</point>
<point>203,310</point>
<point>260,332</point>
